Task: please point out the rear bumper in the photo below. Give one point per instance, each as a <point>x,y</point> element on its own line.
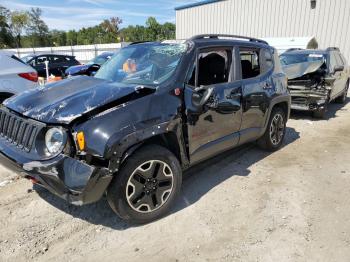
<point>66,177</point>
<point>308,100</point>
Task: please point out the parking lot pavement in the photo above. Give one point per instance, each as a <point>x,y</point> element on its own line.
<point>245,205</point>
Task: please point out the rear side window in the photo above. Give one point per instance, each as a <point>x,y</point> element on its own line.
<point>266,60</point>
<point>41,60</point>
<point>332,62</point>
<point>57,59</point>
<point>213,68</point>
<point>250,62</point>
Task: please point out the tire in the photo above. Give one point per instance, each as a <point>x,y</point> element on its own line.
<point>275,132</point>
<point>342,98</point>
<point>138,194</point>
<point>321,113</point>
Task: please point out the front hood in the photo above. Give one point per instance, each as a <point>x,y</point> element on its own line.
<point>299,69</point>
<point>64,101</point>
<point>76,69</point>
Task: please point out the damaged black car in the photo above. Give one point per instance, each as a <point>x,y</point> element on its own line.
<point>316,78</point>
<point>151,111</point>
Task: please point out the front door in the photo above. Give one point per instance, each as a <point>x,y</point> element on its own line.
<point>213,104</point>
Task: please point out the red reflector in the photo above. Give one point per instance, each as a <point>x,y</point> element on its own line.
<point>34,181</point>
<point>32,76</point>
<point>177,91</point>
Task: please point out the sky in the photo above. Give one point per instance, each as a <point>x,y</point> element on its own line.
<point>75,14</point>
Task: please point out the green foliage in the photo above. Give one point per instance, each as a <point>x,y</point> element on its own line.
<point>27,29</point>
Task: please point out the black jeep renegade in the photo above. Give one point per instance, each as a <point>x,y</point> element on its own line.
<point>151,111</point>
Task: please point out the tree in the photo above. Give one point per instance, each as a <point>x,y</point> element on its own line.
<point>153,28</point>
<point>19,22</point>
<point>37,28</point>
<point>6,39</point>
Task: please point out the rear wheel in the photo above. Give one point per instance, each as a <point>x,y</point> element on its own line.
<point>275,131</point>
<point>146,186</point>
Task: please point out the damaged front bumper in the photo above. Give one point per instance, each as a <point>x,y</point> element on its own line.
<point>308,99</point>
<point>66,177</point>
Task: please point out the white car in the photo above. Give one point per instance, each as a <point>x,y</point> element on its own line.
<point>15,76</point>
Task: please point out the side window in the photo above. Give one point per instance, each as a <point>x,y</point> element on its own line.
<point>41,60</point>
<point>339,60</point>
<point>213,68</point>
<point>266,60</point>
<point>332,62</point>
<point>56,59</point>
<point>250,62</point>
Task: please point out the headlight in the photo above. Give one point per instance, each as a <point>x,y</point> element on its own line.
<point>55,139</point>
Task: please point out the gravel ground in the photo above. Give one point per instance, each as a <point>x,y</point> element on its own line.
<point>245,205</point>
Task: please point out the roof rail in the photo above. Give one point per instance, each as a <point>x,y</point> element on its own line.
<point>140,42</point>
<point>333,48</point>
<point>293,49</point>
<point>224,35</point>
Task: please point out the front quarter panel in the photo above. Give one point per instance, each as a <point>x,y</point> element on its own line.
<point>110,128</point>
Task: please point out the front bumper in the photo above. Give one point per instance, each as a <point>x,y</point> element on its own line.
<point>308,100</point>
<point>66,177</point>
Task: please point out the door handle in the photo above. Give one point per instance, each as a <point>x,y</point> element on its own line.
<point>234,95</point>
<point>267,85</point>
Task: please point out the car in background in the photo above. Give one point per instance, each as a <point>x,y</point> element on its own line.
<point>316,78</point>
<point>57,63</point>
<point>90,67</point>
<point>15,76</point>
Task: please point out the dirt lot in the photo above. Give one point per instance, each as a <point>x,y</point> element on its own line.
<point>245,205</point>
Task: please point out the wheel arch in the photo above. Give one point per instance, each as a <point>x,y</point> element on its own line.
<point>167,135</point>
<point>283,102</point>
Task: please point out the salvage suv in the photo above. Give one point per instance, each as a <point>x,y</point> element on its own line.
<point>316,78</point>
<point>151,111</point>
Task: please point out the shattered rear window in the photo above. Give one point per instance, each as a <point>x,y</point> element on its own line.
<point>288,59</point>
<point>145,64</point>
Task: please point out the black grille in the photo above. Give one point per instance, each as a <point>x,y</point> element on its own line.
<point>17,130</point>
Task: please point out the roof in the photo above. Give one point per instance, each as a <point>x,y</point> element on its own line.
<point>197,4</point>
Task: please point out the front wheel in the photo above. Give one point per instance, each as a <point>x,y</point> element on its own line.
<point>146,186</point>
<point>321,113</point>
<point>275,131</point>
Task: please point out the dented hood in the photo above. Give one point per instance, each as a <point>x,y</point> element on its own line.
<point>299,69</point>
<point>66,100</point>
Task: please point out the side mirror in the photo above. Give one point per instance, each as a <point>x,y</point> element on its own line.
<point>338,68</point>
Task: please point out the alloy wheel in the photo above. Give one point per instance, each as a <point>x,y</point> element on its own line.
<point>149,186</point>
<point>277,129</point>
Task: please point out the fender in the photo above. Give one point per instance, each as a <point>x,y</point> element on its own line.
<point>281,98</point>
<point>118,150</point>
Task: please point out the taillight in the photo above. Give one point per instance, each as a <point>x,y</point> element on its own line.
<point>32,76</point>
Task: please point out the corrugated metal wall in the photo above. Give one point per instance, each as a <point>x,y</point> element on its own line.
<point>329,22</point>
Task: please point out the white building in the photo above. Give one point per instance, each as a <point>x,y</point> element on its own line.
<point>327,20</point>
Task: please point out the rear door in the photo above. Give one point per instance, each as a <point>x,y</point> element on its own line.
<point>213,127</point>
<point>256,66</point>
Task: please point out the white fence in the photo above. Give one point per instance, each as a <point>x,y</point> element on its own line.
<point>83,53</point>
